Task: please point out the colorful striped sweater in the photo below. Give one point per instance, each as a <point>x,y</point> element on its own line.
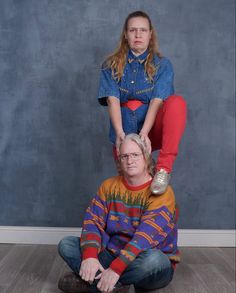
<point>127,220</point>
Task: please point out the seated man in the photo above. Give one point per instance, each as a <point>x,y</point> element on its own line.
<point>129,236</point>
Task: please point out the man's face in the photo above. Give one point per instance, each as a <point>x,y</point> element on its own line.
<point>132,161</point>
<point>138,34</point>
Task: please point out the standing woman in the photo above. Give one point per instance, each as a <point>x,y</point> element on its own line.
<point>137,86</point>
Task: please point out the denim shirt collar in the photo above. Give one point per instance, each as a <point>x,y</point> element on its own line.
<point>141,58</point>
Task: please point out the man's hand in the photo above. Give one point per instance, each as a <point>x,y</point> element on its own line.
<point>89,268</point>
<point>108,279</point>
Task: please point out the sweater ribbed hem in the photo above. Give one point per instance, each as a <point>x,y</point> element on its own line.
<point>118,266</point>
<point>90,252</point>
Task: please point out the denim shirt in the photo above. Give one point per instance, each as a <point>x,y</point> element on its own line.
<point>135,84</point>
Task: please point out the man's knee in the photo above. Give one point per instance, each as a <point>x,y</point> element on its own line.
<point>65,245</point>
<point>155,271</point>
<point>154,260</point>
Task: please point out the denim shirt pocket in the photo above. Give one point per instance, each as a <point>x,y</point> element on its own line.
<point>144,88</point>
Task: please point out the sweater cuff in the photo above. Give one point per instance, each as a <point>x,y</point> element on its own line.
<point>90,252</point>
<point>118,266</point>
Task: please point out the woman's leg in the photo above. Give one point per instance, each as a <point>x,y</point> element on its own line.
<point>151,270</point>
<point>165,135</point>
<point>167,131</point>
<point>114,152</point>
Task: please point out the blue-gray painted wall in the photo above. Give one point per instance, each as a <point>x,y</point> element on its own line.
<point>54,150</point>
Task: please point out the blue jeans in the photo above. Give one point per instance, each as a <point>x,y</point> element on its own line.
<point>150,270</point>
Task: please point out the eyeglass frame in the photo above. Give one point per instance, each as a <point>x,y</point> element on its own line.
<point>134,156</point>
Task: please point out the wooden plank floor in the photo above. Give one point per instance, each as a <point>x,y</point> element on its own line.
<point>37,269</point>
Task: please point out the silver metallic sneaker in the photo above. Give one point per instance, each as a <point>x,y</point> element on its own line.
<point>160,182</point>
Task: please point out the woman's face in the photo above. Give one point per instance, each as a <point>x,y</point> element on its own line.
<point>138,34</point>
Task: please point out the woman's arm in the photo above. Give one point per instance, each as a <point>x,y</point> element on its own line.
<point>153,108</point>
<point>116,120</point>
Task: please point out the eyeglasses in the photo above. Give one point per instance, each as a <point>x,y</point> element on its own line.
<point>133,156</point>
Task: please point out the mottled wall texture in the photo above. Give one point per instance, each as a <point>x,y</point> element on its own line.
<point>54,149</point>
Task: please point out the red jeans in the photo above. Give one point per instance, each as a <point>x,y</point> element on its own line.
<point>167,131</point>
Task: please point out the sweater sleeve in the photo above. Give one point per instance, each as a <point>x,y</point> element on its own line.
<point>93,233</point>
<point>155,230</point>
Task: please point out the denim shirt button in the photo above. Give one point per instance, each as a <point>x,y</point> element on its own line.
<point>132,81</point>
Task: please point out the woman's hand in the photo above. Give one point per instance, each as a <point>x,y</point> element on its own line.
<point>108,279</point>
<point>116,119</point>
<point>144,137</point>
<point>119,138</point>
<point>89,268</point>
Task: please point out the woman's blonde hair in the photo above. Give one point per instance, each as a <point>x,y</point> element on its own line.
<point>117,60</point>
<point>150,163</point>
